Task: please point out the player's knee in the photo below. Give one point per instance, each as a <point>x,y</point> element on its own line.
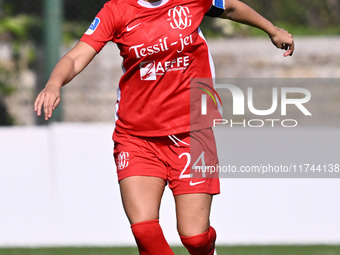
<point>193,226</point>
<point>202,244</point>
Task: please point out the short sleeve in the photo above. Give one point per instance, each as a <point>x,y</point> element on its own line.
<point>217,8</point>
<point>102,28</point>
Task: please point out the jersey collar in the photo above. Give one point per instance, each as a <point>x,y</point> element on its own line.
<point>153,4</point>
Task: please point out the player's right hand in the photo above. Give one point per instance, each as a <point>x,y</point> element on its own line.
<point>48,99</point>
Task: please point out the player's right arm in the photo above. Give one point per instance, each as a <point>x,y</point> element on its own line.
<point>66,69</point>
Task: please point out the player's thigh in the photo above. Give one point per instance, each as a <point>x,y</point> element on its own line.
<point>141,197</point>
<point>193,212</point>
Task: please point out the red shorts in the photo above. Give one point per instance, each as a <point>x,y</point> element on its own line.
<point>178,159</point>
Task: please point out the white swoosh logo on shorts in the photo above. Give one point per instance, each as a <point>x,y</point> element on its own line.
<point>195,183</point>
<point>130,28</point>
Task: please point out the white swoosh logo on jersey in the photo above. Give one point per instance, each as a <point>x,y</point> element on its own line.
<point>195,183</point>
<point>130,28</point>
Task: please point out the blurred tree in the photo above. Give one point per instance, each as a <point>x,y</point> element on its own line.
<point>1,8</point>
<point>80,10</point>
<point>310,13</point>
<point>334,9</point>
<point>73,9</point>
<point>16,30</point>
<point>6,75</point>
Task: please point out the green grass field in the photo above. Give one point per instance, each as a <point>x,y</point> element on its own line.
<point>228,250</point>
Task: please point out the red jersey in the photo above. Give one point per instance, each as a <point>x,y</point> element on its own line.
<point>162,49</point>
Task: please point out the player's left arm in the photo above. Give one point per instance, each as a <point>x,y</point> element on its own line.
<point>242,13</point>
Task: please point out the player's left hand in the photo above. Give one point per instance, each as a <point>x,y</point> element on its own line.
<point>283,40</point>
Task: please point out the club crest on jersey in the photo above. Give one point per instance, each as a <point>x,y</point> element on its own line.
<point>123,160</point>
<point>93,26</point>
<point>148,71</point>
<point>179,17</point>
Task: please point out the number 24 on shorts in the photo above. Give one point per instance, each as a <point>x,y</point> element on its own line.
<point>197,171</point>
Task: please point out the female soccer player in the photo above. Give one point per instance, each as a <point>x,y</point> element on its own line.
<point>162,49</point>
